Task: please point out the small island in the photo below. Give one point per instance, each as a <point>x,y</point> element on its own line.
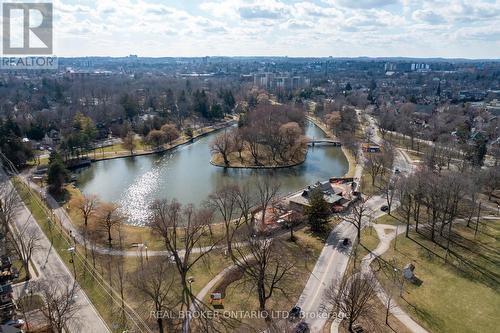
<point>270,136</point>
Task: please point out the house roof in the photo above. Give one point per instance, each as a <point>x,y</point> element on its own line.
<point>330,193</point>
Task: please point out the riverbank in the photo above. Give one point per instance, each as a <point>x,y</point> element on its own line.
<point>181,141</point>
<point>351,159</point>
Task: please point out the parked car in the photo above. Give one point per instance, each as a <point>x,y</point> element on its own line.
<point>295,312</point>
<point>17,323</point>
<point>397,171</point>
<point>302,327</point>
<point>346,242</point>
<point>384,208</point>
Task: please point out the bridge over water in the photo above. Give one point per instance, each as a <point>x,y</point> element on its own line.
<point>323,142</point>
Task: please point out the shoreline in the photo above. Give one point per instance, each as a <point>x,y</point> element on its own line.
<point>173,147</point>
<point>268,167</point>
<point>315,122</point>
<point>351,160</point>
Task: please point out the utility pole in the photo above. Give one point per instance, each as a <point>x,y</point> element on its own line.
<point>71,250</point>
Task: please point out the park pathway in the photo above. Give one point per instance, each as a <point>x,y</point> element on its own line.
<point>383,246</point>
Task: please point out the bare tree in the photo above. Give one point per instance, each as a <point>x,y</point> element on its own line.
<point>491,180</point>
<point>128,142</point>
<point>265,265</point>
<point>388,187</point>
<point>171,133</point>
<point>181,230</point>
<point>290,144</point>
<point>157,282</point>
<point>109,217</point>
<point>267,193</point>
<point>60,303</point>
<point>360,214</point>
<point>9,203</point>
<point>252,138</point>
<point>222,144</point>
<point>394,288</point>
<point>225,201</point>
<point>355,298</point>
<point>406,192</point>
<point>87,205</point>
<point>246,201</point>
<point>238,142</point>
<point>436,158</point>
<point>26,240</point>
<point>474,184</point>
<point>375,166</point>
<point>155,138</point>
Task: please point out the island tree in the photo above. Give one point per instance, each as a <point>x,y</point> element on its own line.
<point>222,144</point>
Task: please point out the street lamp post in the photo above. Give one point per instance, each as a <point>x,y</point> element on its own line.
<point>71,250</point>
<point>190,280</point>
<point>141,247</point>
<point>401,284</point>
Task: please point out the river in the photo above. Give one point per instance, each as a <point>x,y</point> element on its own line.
<point>186,174</point>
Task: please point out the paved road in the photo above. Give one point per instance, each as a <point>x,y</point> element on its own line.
<point>329,269</point>
<point>333,260</point>
<point>50,267</point>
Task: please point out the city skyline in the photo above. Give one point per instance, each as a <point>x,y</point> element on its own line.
<point>338,28</point>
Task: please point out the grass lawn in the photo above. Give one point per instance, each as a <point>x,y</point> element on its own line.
<point>404,142</point>
<point>30,302</point>
<point>369,242</point>
<point>377,322</point>
<point>393,219</point>
<point>462,295</point>
<point>317,239</point>
<point>414,155</point>
<point>352,162</point>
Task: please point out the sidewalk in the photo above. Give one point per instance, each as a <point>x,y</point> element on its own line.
<point>383,246</point>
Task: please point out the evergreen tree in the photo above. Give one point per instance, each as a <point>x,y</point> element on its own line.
<point>318,211</point>
<point>57,173</point>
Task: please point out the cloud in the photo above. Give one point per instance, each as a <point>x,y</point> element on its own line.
<point>428,16</point>
<point>265,10</point>
<point>292,27</point>
<point>362,3</point>
<point>298,25</point>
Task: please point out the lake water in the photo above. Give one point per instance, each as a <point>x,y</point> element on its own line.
<point>187,175</point>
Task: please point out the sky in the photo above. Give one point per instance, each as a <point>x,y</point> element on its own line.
<point>338,28</point>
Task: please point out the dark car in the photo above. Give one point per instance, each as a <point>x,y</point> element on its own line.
<point>397,171</point>
<point>384,208</point>
<point>346,242</point>
<point>295,312</point>
<point>302,327</point>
